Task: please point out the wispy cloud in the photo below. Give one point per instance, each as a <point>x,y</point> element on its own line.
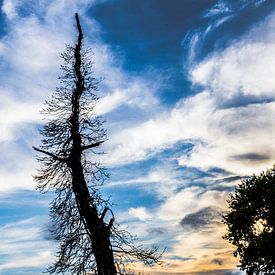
<point>237,97</point>
<point>226,124</point>
<point>229,121</point>
<point>30,67</point>
<point>22,245</point>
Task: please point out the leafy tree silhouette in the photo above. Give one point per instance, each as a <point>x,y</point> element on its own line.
<point>251,223</point>
<point>89,241</point>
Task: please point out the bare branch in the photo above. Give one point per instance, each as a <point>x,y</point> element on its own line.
<point>96,144</point>
<point>50,154</point>
<point>104,213</point>
<point>111,222</point>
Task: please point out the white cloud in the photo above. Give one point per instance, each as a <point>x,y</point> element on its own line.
<point>243,68</point>
<point>190,200</point>
<point>140,213</point>
<point>110,102</point>
<point>138,93</point>
<point>9,8</point>
<point>22,245</point>
<point>224,135</point>
<point>39,260</point>
<point>230,122</point>
<point>161,180</point>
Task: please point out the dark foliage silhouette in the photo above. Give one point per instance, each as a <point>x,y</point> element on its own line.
<point>83,222</point>
<point>251,223</point>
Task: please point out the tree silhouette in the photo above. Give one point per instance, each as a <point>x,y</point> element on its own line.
<point>83,222</point>
<point>251,223</point>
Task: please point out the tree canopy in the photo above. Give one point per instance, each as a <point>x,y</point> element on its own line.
<point>251,223</point>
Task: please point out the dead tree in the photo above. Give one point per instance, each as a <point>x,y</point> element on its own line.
<point>88,241</point>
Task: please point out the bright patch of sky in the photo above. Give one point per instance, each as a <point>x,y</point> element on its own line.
<point>189,99</point>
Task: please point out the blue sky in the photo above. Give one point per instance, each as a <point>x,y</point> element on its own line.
<point>188,97</point>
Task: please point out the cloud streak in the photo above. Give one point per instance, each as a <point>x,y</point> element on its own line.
<point>22,246</point>
<point>227,125</point>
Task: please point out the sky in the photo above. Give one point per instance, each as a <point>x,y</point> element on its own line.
<point>188,95</point>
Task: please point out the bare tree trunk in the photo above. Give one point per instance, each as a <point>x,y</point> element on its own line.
<point>98,230</point>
